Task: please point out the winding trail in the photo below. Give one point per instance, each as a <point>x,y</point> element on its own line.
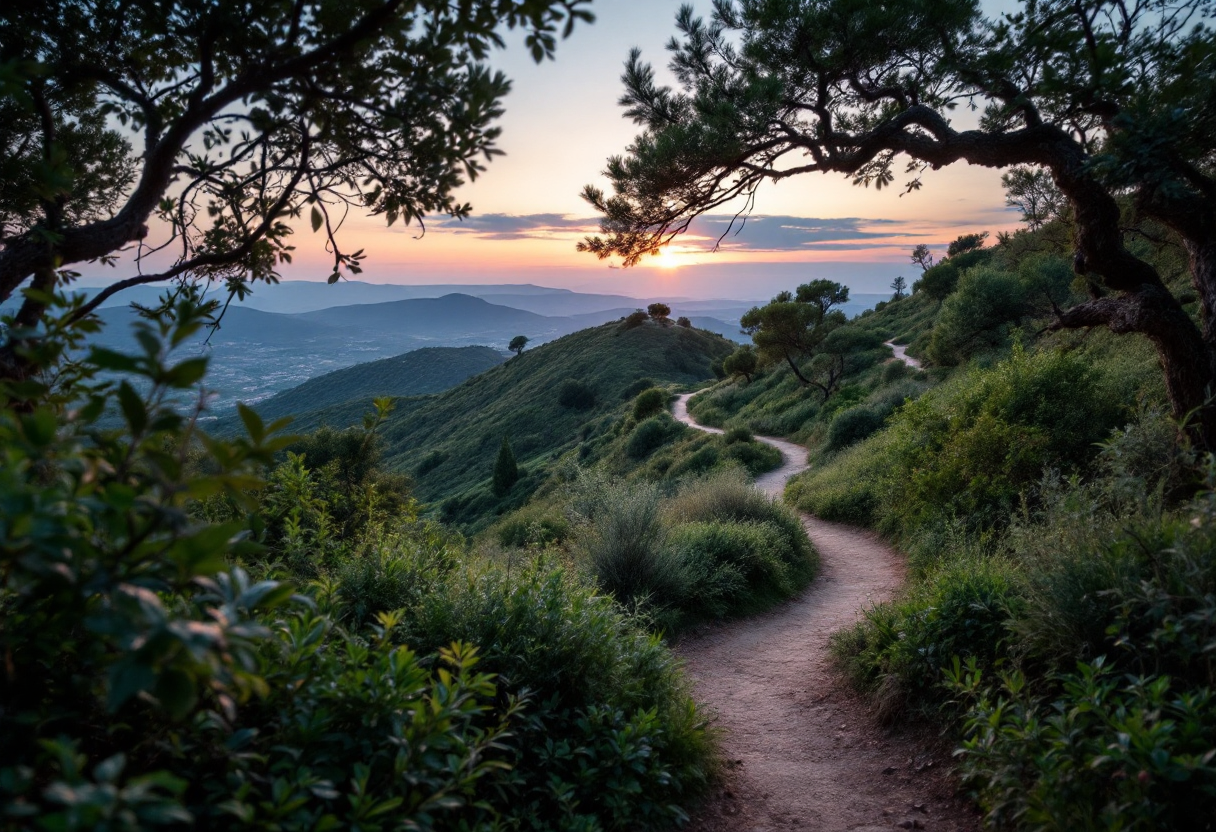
<point>802,750</point>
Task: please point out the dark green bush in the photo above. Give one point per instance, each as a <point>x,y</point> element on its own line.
<point>651,435</point>
<point>649,402</point>
<point>149,682</point>
<point>636,387</point>
<point>1106,752</point>
<point>851,426</point>
<point>608,736</point>
<point>737,434</point>
<point>755,457</point>
<point>575,395</point>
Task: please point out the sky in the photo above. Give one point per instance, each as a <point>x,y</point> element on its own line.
<point>562,122</point>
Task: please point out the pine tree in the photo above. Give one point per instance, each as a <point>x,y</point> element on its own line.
<point>506,472</point>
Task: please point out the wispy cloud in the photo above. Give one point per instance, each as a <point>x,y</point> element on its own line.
<point>517,226</point>
<point>762,233</point>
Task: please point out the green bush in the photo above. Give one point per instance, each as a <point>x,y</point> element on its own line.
<point>1106,752</point>
<point>649,402</point>
<point>636,387</point>
<point>851,426</point>
<point>532,525</point>
<point>737,434</point>
<point>150,682</point>
<point>755,457</point>
<point>652,434</point>
<point>575,395</point>
<point>608,736</point>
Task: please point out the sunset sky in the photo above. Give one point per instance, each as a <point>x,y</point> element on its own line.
<point>562,122</point>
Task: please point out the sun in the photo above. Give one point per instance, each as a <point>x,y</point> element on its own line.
<point>667,259</point>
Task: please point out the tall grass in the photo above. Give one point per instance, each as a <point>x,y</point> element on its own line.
<point>717,547</point>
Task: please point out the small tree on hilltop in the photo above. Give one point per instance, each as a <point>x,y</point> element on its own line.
<point>898,285</point>
<point>684,322</point>
<point>659,312</point>
<point>517,344</point>
<point>506,472</point>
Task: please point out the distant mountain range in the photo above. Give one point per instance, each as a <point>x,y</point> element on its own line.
<point>285,334</point>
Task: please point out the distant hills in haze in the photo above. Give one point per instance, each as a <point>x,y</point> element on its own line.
<point>288,333</point>
<point>416,373</point>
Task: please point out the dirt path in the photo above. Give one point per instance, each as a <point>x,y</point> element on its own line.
<point>901,352</point>
<point>802,750</point>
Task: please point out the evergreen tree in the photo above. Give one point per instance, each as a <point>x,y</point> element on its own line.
<point>506,472</point>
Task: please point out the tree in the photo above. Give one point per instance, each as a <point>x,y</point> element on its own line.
<point>517,344</point>
<point>742,362</point>
<point>684,322</point>
<point>939,281</point>
<point>898,285</point>
<point>248,117</point>
<point>506,472</point>
<point>791,326</point>
<point>1032,191</point>
<point>922,257</point>
<point>965,243</point>
<point>1111,100</point>
<point>659,312</point>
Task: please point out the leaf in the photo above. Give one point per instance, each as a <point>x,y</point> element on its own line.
<point>128,678</point>
<point>187,373</point>
<point>176,691</point>
<point>317,219</point>
<point>253,422</point>
<point>105,359</point>
<point>133,409</point>
<point>334,278</point>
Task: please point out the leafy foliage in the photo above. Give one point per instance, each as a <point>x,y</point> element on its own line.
<point>175,689</point>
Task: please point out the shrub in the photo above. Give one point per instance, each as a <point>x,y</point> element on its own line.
<point>737,434</point>
<point>623,547</point>
<point>651,435</point>
<point>726,496</point>
<point>684,322</point>
<point>607,735</point>
<point>430,462</point>
<point>506,472</point>
<point>851,426</point>
<point>533,525</point>
<point>634,319</point>
<point>575,395</point>
<point>755,457</point>
<point>1105,753</point>
<point>893,371</point>
<point>636,387</point>
<point>649,402</point>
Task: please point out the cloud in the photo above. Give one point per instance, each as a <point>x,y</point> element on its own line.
<point>761,233</point>
<point>517,226</point>
<point>785,233</point>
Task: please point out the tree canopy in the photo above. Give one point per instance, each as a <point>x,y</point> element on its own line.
<point>791,327</point>
<point>517,344</point>
<point>1112,101</point>
<point>201,132</point>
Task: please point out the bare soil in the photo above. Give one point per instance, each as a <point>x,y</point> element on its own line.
<point>803,750</point>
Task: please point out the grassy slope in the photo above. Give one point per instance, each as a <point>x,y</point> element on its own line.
<point>419,372</point>
<point>449,441</point>
<point>775,404</point>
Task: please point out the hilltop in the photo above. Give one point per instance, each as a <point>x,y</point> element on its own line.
<point>419,372</point>
<point>448,442</point>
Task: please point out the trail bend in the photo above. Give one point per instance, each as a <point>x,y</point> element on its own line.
<point>802,750</point>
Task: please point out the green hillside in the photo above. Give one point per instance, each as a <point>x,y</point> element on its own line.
<point>416,373</point>
<point>449,442</point>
